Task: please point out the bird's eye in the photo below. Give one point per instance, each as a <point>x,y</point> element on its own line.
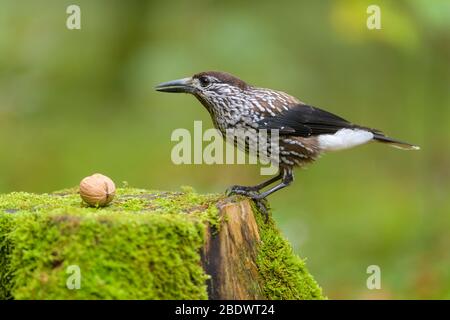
<point>204,81</point>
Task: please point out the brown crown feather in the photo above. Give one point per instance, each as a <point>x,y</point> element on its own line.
<point>224,77</point>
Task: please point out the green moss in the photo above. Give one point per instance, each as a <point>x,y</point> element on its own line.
<point>284,273</point>
<point>6,226</point>
<point>144,245</point>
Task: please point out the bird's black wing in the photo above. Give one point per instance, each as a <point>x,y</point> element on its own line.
<point>304,121</point>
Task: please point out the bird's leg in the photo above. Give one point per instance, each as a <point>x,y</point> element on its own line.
<point>260,198</point>
<point>247,190</point>
<point>287,178</point>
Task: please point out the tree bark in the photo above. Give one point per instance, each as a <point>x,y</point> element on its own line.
<point>229,254</point>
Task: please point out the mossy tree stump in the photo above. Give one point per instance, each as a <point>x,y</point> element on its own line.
<point>145,245</point>
<point>229,256</point>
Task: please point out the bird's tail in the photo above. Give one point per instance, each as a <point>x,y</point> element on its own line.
<point>394,142</point>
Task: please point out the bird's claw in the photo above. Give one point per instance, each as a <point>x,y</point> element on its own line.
<point>241,190</point>
<point>250,192</point>
<point>262,206</point>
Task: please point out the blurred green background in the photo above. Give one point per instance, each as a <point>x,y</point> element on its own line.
<point>75,102</point>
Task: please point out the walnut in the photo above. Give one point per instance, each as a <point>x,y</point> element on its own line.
<point>97,190</point>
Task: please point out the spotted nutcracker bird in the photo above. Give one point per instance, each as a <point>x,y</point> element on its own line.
<point>305,132</point>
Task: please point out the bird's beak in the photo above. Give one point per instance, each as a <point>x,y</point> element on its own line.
<point>180,85</point>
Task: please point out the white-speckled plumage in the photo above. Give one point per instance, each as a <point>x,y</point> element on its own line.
<point>305,132</point>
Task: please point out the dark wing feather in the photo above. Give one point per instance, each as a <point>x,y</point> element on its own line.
<point>303,120</point>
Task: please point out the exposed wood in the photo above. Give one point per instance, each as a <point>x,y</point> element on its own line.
<point>229,256</point>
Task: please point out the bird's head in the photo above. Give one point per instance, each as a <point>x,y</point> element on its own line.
<point>209,87</point>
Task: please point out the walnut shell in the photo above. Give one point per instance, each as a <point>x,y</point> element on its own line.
<point>97,190</point>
